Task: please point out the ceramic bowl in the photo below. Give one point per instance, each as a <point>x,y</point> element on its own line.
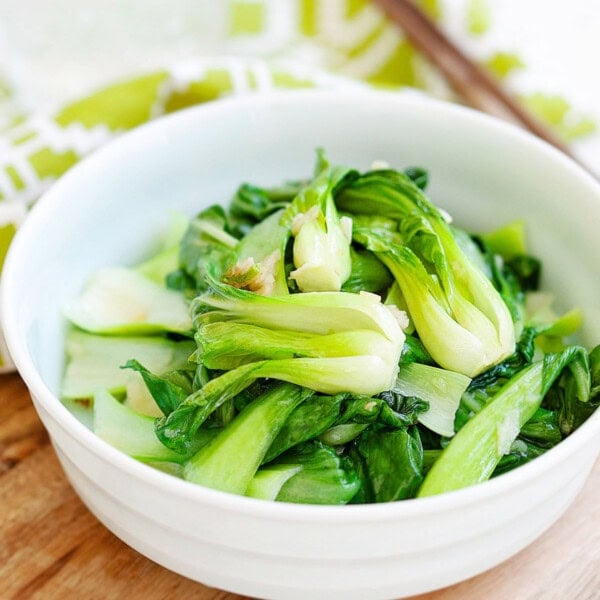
<point>110,209</point>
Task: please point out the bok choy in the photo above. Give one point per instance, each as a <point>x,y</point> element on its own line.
<point>333,340</point>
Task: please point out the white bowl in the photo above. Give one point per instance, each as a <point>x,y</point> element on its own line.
<point>108,211</point>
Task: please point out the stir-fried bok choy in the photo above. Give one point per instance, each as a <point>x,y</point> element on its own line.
<point>334,340</point>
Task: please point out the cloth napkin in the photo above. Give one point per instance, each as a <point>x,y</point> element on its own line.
<point>61,101</point>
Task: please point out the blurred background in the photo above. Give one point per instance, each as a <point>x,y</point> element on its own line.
<point>53,54</point>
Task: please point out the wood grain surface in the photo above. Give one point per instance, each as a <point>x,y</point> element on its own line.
<point>52,547</point>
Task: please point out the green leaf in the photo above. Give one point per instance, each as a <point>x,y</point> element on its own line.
<point>340,435</point>
<point>520,453</point>
<point>227,345</point>
<point>231,459</point>
<point>508,240</point>
<point>368,274</point>
<point>168,390</point>
<point>263,251</point>
<point>207,243</point>
<point>394,463</point>
<point>93,361</point>
<point>317,312</point>
<point>307,421</point>
<point>439,388</point>
<point>178,429</point>
<point>542,429</point>
<point>450,301</point>
<point>129,431</point>
<point>521,357</point>
<point>268,481</point>
<point>473,454</point>
<point>572,394</point>
<point>321,248</point>
<point>252,204</point>
<point>121,301</point>
<point>414,351</point>
<point>418,175</point>
<point>323,478</point>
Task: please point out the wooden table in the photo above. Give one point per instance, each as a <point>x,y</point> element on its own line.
<point>51,547</point>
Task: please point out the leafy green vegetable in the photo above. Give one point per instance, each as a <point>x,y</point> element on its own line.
<point>418,175</point>
<point>168,391</point>
<point>130,432</point>
<point>119,301</point>
<point>251,204</point>
<point>317,312</point>
<point>414,351</point>
<point>393,463</point>
<point>301,384</point>
<point>326,375</point>
<point>361,324</point>
<point>260,265</point>
<point>227,345</point>
<point>231,459</point>
<point>441,389</point>
<point>541,315</point>
<point>400,411</point>
<point>477,448</point>
<point>368,273</point>
<point>521,357</point>
<point>268,481</point>
<point>520,453</point>
<point>457,333</point>
<point>93,363</point>
<point>321,238</point>
<point>341,434</point>
<point>335,361</point>
<point>459,316</point>
<point>542,429</point>
<point>307,422</point>
<point>575,395</point>
<point>389,409</point>
<point>511,283</point>
<point>207,244</point>
<point>508,240</point>
<point>314,474</point>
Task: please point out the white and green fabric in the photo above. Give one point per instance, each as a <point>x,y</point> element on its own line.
<point>38,149</point>
<point>277,44</point>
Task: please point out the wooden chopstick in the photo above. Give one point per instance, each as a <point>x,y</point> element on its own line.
<point>471,82</point>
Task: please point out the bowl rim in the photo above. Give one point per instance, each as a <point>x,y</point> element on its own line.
<point>54,199</point>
